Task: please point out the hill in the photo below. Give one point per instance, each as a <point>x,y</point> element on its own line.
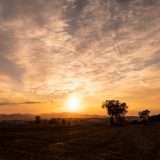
<point>27,117</point>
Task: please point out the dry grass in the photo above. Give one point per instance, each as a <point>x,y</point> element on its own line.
<point>83,142</point>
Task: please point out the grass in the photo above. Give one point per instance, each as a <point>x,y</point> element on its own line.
<point>79,142</point>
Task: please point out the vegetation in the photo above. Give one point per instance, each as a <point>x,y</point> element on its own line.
<point>37,119</point>
<point>45,142</point>
<point>116,110</point>
<point>144,116</point>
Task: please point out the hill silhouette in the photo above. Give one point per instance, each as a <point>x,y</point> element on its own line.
<point>26,117</point>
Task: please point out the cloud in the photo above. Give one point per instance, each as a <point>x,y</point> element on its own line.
<point>7,46</point>
<point>19,103</point>
<point>95,47</point>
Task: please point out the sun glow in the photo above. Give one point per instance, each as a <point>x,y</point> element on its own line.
<point>73,104</point>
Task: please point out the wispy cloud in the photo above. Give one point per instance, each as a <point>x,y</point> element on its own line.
<point>7,103</point>
<point>49,49</point>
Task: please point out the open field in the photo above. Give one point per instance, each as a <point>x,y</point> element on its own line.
<point>80,142</point>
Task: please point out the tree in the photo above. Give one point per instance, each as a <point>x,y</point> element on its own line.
<point>37,119</point>
<point>53,121</point>
<point>144,115</point>
<point>116,110</point>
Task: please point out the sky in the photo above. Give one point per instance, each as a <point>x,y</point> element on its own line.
<point>94,49</point>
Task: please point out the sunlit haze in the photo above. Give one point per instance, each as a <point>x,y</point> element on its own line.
<point>96,49</point>
<point>73,104</point>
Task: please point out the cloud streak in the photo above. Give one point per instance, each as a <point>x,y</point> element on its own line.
<point>19,103</point>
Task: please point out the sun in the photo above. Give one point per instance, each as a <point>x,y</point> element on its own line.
<point>73,104</point>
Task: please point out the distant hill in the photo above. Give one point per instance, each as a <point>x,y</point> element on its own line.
<point>27,117</point>
<point>46,116</point>
<point>24,117</point>
<point>69,115</point>
<point>155,118</point>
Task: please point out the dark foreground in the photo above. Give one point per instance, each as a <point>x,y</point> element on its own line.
<point>80,142</point>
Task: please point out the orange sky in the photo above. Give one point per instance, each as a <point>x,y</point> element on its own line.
<point>96,49</point>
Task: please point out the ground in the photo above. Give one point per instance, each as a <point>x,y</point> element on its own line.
<point>80,142</point>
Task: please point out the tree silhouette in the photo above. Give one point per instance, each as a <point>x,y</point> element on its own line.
<point>37,119</point>
<point>116,110</point>
<point>144,115</point>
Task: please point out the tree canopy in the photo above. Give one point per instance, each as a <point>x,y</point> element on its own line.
<point>116,110</point>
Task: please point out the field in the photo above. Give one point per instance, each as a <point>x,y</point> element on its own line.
<point>85,141</point>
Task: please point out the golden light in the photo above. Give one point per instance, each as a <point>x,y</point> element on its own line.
<point>73,104</point>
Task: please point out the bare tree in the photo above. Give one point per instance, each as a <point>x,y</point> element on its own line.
<point>116,110</point>
<point>144,115</point>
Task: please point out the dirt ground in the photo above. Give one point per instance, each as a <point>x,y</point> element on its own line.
<point>81,142</point>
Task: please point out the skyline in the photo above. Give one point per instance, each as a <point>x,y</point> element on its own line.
<point>94,49</point>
